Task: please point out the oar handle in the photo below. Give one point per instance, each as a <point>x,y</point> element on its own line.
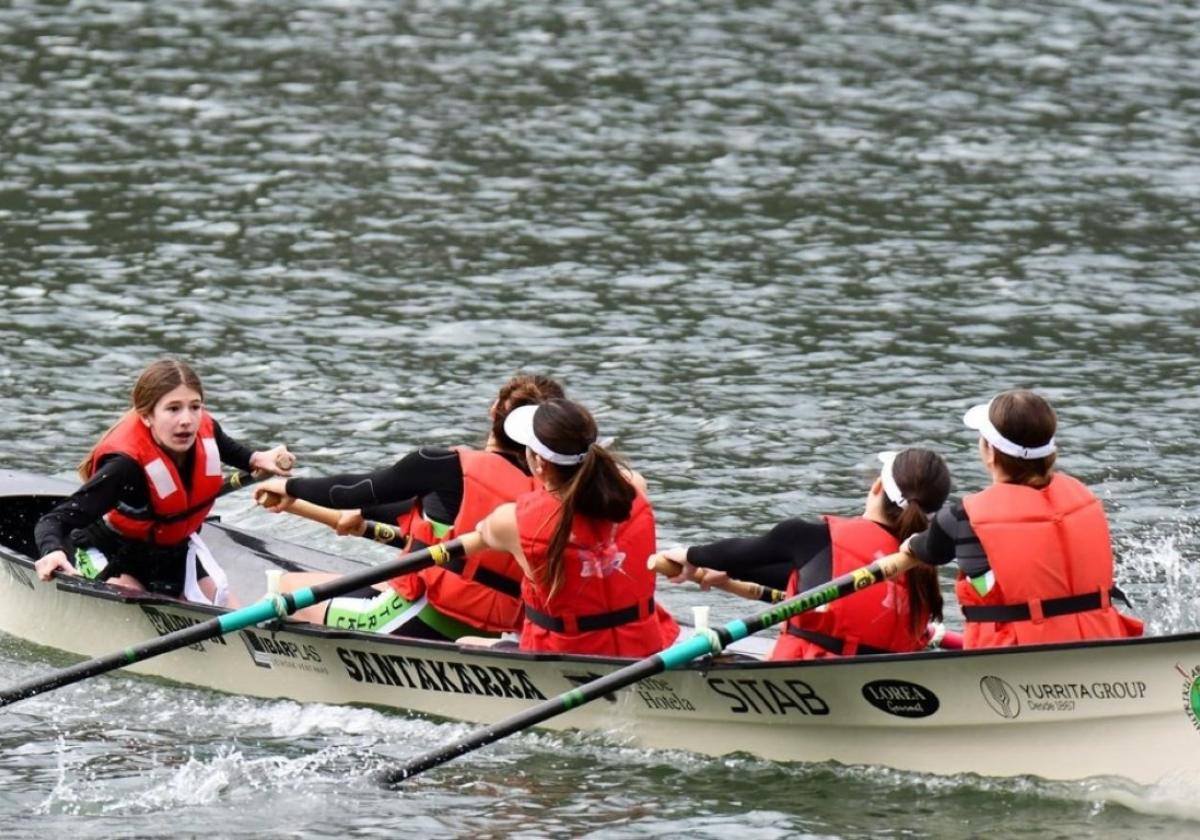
<point>238,479</point>
<point>380,532</point>
<point>742,588</point>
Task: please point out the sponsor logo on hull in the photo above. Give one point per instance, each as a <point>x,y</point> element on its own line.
<point>1008,702</point>
<point>272,652</point>
<point>769,697</point>
<point>900,698</point>
<point>1000,696</point>
<point>659,695</point>
<point>1191,694</point>
<point>437,675</point>
<point>166,623</point>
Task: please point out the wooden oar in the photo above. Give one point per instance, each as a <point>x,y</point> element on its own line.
<point>278,606</point>
<point>742,588</point>
<point>939,636</point>
<point>701,644</point>
<point>380,532</point>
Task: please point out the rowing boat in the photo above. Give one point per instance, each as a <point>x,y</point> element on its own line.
<point>1128,708</point>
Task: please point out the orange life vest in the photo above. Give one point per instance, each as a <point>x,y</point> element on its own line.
<point>484,590</point>
<point>1051,556</point>
<point>606,604</point>
<point>875,620</point>
<point>177,508</point>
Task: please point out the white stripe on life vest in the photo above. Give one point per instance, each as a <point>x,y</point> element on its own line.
<point>160,476</point>
<point>212,457</point>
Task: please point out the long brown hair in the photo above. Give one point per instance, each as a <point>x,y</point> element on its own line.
<point>521,389</point>
<point>156,381</point>
<point>924,482</point>
<point>597,488</point>
<point>1029,420</point>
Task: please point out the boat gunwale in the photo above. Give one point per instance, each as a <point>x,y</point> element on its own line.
<point>106,592</point>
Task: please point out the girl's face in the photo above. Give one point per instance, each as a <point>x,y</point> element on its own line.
<point>175,419</point>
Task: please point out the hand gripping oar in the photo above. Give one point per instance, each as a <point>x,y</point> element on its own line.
<point>939,636</point>
<point>278,606</point>
<point>702,643</point>
<point>742,588</point>
<point>380,532</point>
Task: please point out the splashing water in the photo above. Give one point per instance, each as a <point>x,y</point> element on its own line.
<point>1161,579</point>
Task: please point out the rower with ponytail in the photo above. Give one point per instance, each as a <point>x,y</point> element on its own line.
<point>806,553</point>
<point>582,538</point>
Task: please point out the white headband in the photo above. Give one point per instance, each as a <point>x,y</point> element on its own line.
<point>519,426</point>
<point>889,480</point>
<point>978,418</point>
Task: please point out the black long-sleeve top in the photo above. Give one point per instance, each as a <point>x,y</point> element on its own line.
<point>119,479</point>
<point>769,559</point>
<point>431,475</point>
<point>951,537</point>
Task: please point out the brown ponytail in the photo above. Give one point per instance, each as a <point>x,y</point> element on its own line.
<point>924,481</point>
<point>597,488</point>
<point>156,381</point>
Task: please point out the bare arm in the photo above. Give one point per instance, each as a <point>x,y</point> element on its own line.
<point>499,531</point>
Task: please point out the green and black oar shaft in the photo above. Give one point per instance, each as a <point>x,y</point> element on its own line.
<point>277,606</point>
<point>706,642</point>
<point>939,636</point>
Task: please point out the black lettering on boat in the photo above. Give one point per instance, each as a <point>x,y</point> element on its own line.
<point>435,675</point>
<point>737,686</point>
<point>505,683</point>
<point>364,664</point>
<point>485,680</point>
<point>805,694</point>
<point>348,664</point>
<point>770,697</point>
<point>752,685</point>
<point>1098,690</point>
<point>782,699</point>
<point>427,682</point>
<point>399,663</point>
<point>900,698</point>
<point>464,679</point>
<point>386,669</point>
<point>439,671</point>
<point>531,690</point>
<point>660,695</point>
<point>165,623</point>
<point>740,708</point>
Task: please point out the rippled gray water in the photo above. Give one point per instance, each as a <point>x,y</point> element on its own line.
<point>762,240</point>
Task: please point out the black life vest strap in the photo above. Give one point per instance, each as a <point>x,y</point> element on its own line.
<point>596,621</point>
<point>1051,608</point>
<point>830,643</point>
<point>486,577</point>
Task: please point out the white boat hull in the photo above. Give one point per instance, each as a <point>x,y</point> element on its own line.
<point>1127,708</point>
